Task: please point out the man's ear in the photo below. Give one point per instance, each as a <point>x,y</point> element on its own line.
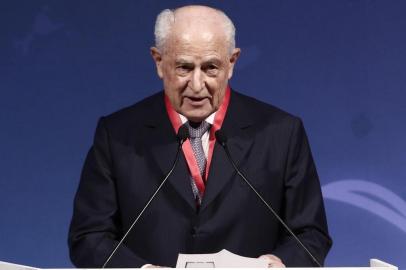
<point>156,55</point>
<point>233,59</point>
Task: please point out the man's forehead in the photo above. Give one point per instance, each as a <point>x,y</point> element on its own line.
<point>190,35</point>
<point>198,44</point>
<point>197,34</point>
<point>199,48</point>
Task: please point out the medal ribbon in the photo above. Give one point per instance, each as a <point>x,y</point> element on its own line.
<point>187,148</point>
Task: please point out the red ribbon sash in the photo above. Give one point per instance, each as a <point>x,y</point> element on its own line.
<point>187,148</point>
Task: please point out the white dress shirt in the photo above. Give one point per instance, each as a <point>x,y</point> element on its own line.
<point>206,135</point>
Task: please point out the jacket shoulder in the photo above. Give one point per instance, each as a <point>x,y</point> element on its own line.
<point>130,123</point>
<point>262,111</point>
<point>141,109</point>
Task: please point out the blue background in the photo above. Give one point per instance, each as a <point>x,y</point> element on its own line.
<point>339,64</point>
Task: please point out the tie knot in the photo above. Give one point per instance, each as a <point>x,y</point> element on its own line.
<point>196,130</point>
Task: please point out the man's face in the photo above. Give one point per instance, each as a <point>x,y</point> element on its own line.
<point>195,68</point>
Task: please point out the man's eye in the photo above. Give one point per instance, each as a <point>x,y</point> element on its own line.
<point>184,68</point>
<point>211,69</point>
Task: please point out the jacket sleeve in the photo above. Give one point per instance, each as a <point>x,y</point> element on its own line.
<point>95,227</point>
<point>303,209</point>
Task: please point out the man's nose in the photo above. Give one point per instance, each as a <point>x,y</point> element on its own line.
<point>197,80</point>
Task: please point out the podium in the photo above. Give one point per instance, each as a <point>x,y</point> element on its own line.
<point>374,264</point>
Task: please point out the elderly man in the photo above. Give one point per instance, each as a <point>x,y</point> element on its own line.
<point>204,207</point>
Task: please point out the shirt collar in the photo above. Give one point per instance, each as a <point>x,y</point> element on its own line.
<point>209,119</point>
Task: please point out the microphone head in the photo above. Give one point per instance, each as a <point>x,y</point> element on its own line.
<point>221,137</point>
<point>183,133</point>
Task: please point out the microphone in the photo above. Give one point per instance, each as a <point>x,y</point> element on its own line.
<point>222,140</point>
<point>183,134</point>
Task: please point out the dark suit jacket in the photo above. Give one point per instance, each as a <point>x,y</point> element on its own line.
<point>134,148</point>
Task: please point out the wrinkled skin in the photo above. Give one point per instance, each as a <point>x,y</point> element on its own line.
<point>196,63</point>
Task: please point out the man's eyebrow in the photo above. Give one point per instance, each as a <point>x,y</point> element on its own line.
<point>213,60</point>
<point>182,61</point>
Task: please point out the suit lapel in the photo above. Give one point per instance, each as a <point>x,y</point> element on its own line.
<point>236,126</point>
<point>163,142</point>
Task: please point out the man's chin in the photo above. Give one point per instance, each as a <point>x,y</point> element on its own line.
<point>197,117</point>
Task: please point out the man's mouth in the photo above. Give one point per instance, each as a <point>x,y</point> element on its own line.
<point>195,100</point>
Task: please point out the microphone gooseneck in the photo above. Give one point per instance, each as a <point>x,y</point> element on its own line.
<point>222,140</point>
<point>183,134</point>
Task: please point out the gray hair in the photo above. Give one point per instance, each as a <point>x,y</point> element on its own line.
<point>166,19</point>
